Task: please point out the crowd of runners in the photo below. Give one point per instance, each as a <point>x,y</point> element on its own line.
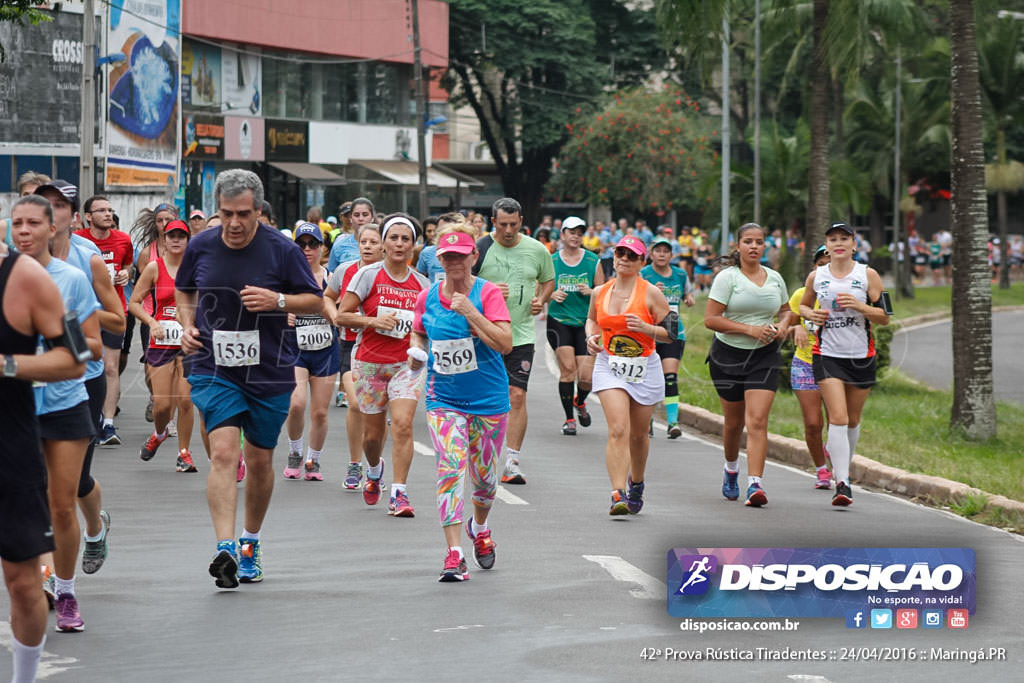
<point>247,329</point>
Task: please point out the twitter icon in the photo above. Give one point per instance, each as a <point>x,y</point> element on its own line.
<point>881,618</point>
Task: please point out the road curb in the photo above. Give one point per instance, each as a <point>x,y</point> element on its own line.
<point>864,471</point>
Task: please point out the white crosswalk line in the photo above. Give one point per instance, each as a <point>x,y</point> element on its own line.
<point>502,493</point>
<point>649,588</point>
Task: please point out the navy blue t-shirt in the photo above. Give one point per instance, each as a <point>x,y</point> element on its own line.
<point>218,273</point>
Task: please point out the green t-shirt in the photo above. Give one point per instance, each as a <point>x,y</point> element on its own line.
<point>747,303</point>
<point>573,311</point>
<point>673,287</point>
<point>521,268</point>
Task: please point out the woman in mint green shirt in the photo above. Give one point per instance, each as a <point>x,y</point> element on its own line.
<point>744,359</point>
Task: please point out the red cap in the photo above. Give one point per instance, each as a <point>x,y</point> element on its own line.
<point>455,243</point>
<point>634,244</point>
<point>176,224</point>
<point>197,212</point>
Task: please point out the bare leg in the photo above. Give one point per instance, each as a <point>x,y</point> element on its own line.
<point>64,468</point>
<point>221,482</point>
<point>615,403</point>
<point>810,406</point>
<point>516,418</point>
<point>758,405</point>
<point>259,485</point>
<point>402,412</point>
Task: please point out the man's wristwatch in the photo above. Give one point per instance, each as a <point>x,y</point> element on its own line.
<point>280,301</point>
<point>10,366</point>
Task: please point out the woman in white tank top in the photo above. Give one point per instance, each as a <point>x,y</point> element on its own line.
<point>844,356</point>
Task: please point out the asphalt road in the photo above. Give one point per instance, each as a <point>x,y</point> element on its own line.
<point>926,353</point>
<point>351,593</point>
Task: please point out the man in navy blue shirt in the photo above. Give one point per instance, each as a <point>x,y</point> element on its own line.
<point>235,287</point>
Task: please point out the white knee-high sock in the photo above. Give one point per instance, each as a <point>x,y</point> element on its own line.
<point>26,661</point>
<point>838,446</point>
<point>852,434</point>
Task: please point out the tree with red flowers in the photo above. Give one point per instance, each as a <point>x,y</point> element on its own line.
<point>644,150</point>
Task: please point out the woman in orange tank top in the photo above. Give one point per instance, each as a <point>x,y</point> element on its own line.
<point>623,326</point>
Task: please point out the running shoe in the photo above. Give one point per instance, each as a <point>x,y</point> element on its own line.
<point>399,505</point>
<point>512,474</point>
<point>49,585</point>
<point>224,567</point>
<point>454,568</point>
<point>149,410</point>
<point>843,495</point>
<point>250,566</point>
<point>650,428</point>
<point>569,428</point>
<point>354,476</point>
<point>313,471</point>
<point>731,485</point>
<point>95,552</point>
<point>185,462</point>
<point>824,480</point>
<point>172,429</point>
<point>108,437</point>
<point>620,503</point>
<point>483,547</point>
<point>293,470</point>
<point>371,489</point>
<point>635,496</point>
<point>148,448</point>
<point>674,432</point>
<point>756,496</point>
<point>582,413</point>
<point>68,618</point>
<point>340,400</point>
<point>241,468</point>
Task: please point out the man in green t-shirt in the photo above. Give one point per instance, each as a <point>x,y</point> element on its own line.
<point>522,268</point>
<point>577,272</point>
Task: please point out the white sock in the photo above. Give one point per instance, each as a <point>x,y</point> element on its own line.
<point>313,455</point>
<point>108,422</point>
<point>295,446</point>
<point>475,527</point>
<point>376,471</point>
<point>163,436</point>
<point>99,536</point>
<point>64,585</point>
<point>852,434</point>
<point>839,451</point>
<point>396,489</point>
<point>752,479</point>
<point>26,661</point>
<point>457,549</point>
<point>251,535</point>
<point>823,468</point>
<point>513,454</point>
<point>732,466</point>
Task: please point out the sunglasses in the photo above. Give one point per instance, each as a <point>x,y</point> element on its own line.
<point>308,244</point>
<point>627,254</point>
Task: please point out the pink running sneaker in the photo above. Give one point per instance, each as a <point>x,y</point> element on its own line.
<point>293,470</point>
<point>68,618</point>
<point>241,468</point>
<point>313,471</point>
<point>454,568</point>
<point>824,479</point>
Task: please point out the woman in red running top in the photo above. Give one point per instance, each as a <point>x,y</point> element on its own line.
<point>370,251</point>
<point>163,356</point>
<point>380,301</point>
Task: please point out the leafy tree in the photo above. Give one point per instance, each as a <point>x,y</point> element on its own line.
<point>524,68</point>
<point>974,409</point>
<point>19,11</point>
<point>643,151</point>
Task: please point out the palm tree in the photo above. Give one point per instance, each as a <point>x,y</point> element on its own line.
<point>974,408</point>
<point>1001,67</point>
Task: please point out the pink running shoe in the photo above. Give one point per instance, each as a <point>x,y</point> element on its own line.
<point>293,470</point>
<point>241,468</point>
<point>313,471</point>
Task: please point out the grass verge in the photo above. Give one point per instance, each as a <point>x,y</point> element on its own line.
<point>934,299</point>
<point>905,423</point>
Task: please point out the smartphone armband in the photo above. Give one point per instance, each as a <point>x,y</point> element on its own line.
<point>73,339</point>
<point>671,324</point>
<point>884,302</point>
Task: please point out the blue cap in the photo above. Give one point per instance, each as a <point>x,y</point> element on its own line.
<point>309,230</point>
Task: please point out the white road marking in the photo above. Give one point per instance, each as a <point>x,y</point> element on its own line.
<point>502,493</point>
<point>648,587</point>
<point>464,627</point>
<point>49,664</point>
<point>808,677</point>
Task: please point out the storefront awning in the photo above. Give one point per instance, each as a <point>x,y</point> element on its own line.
<point>309,172</point>
<point>407,173</point>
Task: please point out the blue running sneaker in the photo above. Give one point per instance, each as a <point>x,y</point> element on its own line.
<point>635,496</point>
<point>250,569</point>
<point>224,567</point>
<point>756,496</point>
<point>620,504</point>
<point>731,485</point>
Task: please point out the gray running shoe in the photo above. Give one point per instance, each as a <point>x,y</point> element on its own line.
<point>293,470</point>
<point>96,551</point>
<point>513,475</point>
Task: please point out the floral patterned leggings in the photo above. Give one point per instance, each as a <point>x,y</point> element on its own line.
<point>462,442</point>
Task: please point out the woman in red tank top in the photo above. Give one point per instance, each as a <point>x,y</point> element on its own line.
<point>163,357</point>
<point>623,326</point>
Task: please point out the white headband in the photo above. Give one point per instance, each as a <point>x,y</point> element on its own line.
<point>397,220</point>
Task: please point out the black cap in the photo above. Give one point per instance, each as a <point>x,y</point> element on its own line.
<point>840,226</point>
<point>69,191</point>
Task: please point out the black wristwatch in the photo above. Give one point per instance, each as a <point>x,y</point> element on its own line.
<point>10,366</point>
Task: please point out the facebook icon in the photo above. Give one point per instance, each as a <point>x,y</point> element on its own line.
<point>856,619</point>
